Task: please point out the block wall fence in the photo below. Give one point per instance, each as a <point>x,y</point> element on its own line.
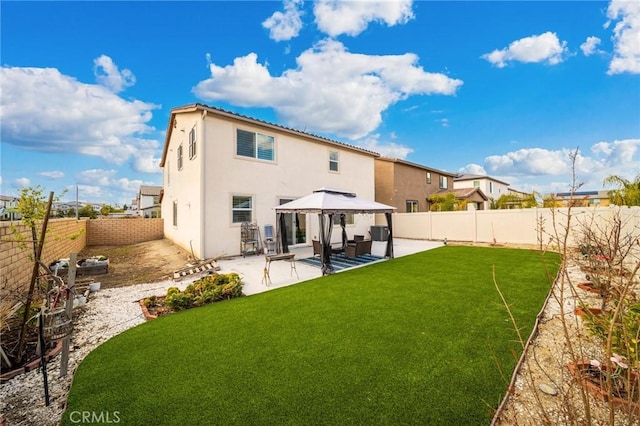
<point>64,236</point>
<point>121,232</point>
<point>517,226</point>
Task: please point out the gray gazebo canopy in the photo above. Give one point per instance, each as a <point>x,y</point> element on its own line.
<point>327,202</point>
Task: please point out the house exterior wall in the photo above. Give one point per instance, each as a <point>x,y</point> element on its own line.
<point>184,187</point>
<point>385,183</point>
<point>398,182</point>
<point>205,187</point>
<point>492,189</point>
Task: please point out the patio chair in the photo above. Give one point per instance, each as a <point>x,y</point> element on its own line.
<point>317,247</point>
<point>269,241</point>
<point>358,248</point>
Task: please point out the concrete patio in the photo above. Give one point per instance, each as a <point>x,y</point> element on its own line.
<point>251,268</point>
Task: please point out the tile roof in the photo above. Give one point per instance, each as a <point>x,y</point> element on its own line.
<point>256,121</point>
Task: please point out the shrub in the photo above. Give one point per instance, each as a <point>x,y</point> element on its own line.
<point>209,289</point>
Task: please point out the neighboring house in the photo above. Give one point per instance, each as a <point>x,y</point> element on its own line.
<point>148,201</point>
<point>407,186</point>
<point>577,199</point>
<point>7,203</point>
<point>132,209</point>
<point>491,187</point>
<point>473,196</point>
<point>222,169</point>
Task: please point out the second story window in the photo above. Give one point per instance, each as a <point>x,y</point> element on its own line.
<point>255,145</point>
<point>180,157</point>
<point>412,206</point>
<point>443,182</point>
<point>491,187</point>
<point>429,178</point>
<point>192,143</point>
<point>476,184</point>
<point>333,161</point>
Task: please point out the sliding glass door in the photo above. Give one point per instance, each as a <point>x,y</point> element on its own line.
<point>295,224</point>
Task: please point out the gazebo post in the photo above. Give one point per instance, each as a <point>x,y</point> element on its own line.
<point>282,233</point>
<point>389,250</point>
<point>325,242</point>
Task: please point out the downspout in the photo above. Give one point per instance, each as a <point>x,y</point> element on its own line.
<point>203,180</point>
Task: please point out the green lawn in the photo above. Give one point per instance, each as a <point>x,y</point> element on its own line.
<point>423,339</point>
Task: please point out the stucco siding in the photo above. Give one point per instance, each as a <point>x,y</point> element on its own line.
<point>301,165</point>
<point>183,186</point>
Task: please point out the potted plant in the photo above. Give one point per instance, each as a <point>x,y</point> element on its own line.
<point>612,381</point>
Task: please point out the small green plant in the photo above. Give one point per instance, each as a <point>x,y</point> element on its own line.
<point>209,289</point>
<point>178,301</point>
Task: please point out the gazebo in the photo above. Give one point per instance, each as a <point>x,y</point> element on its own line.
<point>327,202</point>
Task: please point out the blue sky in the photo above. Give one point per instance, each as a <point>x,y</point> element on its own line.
<point>505,88</point>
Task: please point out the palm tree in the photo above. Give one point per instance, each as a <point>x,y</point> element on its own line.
<point>627,192</point>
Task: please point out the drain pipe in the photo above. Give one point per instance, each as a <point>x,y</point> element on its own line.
<point>516,371</point>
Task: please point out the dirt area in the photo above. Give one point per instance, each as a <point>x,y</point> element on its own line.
<point>147,262</point>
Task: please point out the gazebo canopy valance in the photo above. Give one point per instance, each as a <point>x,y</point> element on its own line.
<point>328,202</point>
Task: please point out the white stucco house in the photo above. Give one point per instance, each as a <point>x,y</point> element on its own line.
<point>491,187</point>
<point>222,169</point>
<point>7,204</point>
<point>148,201</point>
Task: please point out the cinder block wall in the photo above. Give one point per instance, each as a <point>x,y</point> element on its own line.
<point>119,232</point>
<point>64,236</point>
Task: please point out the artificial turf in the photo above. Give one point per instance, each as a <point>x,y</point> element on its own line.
<point>422,339</point>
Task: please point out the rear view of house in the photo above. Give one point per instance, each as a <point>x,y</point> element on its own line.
<point>222,169</point>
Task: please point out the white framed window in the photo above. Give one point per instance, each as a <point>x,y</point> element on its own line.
<point>175,213</point>
<point>476,184</point>
<point>241,208</point>
<point>429,178</point>
<point>180,157</point>
<point>334,161</point>
<point>443,182</point>
<point>192,143</point>
<point>412,206</point>
<point>255,145</point>
<point>491,187</point>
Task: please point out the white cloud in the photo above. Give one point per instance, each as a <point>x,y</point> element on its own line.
<point>352,17</point>
<point>331,90</point>
<point>54,174</point>
<point>545,47</point>
<point>529,161</point>
<point>96,176</point>
<point>590,46</point>
<point>626,36</point>
<point>287,25</point>
<point>537,165</point>
<point>104,184</point>
<point>473,169</point>
<point>444,122</point>
<point>619,153</point>
<point>21,182</point>
<point>44,110</point>
<point>387,149</point>
<point>108,75</point>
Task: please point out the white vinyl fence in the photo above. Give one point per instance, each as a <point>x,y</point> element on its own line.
<point>518,226</point>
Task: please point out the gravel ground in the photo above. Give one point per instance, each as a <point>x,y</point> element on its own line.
<point>107,313</point>
<point>111,311</point>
